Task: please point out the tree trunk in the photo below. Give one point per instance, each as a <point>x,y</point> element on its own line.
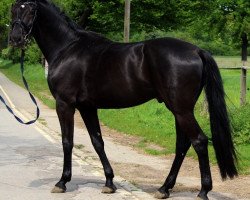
<point>127,21</point>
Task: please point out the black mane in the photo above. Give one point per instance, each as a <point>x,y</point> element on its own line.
<point>61,13</point>
<point>71,24</point>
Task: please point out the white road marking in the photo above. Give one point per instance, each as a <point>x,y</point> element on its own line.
<point>7,97</point>
<point>43,133</point>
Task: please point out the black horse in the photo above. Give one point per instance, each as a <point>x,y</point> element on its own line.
<point>88,72</point>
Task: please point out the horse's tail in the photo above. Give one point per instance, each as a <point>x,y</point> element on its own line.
<point>219,121</point>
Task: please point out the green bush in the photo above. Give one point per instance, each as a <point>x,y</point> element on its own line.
<point>11,53</point>
<point>241,124</point>
<point>218,48</point>
<point>32,54</point>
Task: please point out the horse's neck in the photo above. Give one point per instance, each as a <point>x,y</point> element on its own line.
<point>52,32</point>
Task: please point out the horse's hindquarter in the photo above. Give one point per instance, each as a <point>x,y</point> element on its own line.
<point>122,77</point>
<point>176,69</point>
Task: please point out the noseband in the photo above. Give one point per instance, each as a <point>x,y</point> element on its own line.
<point>19,22</point>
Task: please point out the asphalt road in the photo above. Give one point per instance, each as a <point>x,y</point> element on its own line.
<point>31,159</point>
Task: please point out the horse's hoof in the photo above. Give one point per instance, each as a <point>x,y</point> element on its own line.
<point>109,190</point>
<point>202,198</point>
<point>57,190</point>
<point>160,195</point>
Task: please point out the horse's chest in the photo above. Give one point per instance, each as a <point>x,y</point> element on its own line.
<point>68,86</point>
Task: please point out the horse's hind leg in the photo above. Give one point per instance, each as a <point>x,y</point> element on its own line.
<point>200,143</point>
<point>189,126</point>
<point>90,118</point>
<point>66,117</point>
<point>182,145</point>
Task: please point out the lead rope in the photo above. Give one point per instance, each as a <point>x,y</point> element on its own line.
<point>31,96</point>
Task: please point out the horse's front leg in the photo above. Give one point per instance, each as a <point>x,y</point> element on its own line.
<point>65,114</point>
<point>92,123</point>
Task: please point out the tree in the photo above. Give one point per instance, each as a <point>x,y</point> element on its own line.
<point>127,12</point>
<point>107,16</point>
<point>4,22</point>
<point>235,18</point>
<point>224,18</point>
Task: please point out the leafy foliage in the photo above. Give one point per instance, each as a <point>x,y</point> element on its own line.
<point>10,53</point>
<point>4,21</point>
<point>241,125</point>
<point>33,54</point>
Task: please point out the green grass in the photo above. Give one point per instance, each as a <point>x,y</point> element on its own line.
<point>231,80</point>
<point>152,121</point>
<point>244,158</point>
<point>35,78</point>
<point>149,120</point>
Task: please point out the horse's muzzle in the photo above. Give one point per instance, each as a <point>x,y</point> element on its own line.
<point>17,42</point>
<point>17,38</point>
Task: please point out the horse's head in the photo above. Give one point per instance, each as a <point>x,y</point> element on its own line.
<point>23,17</point>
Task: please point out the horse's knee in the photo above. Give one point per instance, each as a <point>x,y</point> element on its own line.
<point>200,144</point>
<point>98,144</point>
<point>67,145</point>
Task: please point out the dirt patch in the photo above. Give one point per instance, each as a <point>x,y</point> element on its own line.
<point>120,138</point>
<point>150,179</point>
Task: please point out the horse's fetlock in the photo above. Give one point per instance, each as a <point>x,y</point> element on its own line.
<point>109,174</point>
<point>207,184</point>
<point>67,176</point>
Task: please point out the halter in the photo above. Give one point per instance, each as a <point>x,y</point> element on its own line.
<point>23,25</point>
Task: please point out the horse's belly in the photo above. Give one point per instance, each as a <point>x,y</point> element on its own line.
<point>124,98</point>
